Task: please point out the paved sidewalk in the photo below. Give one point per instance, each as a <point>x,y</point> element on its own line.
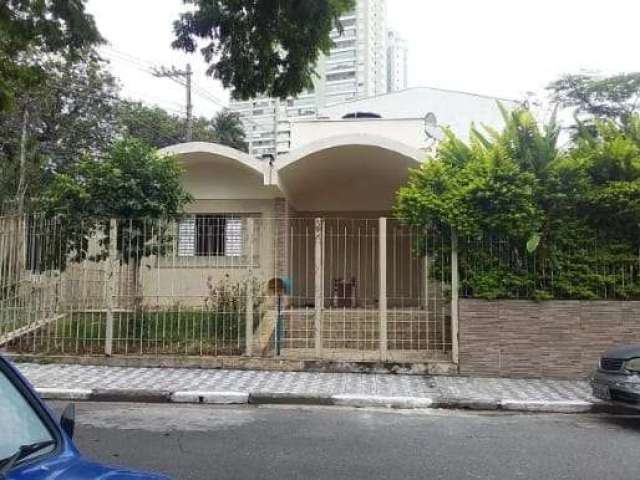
<point>82,382</point>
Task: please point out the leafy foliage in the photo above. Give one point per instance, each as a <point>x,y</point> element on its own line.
<point>228,130</point>
<point>535,221</point>
<point>159,128</point>
<point>71,111</point>
<point>614,98</point>
<point>96,187</point>
<point>260,47</point>
<point>132,182</point>
<point>39,28</point>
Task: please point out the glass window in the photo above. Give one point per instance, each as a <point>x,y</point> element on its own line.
<point>21,425</point>
<point>210,235</point>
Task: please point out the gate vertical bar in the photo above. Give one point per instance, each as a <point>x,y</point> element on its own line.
<point>382,284</point>
<point>425,293</point>
<point>319,235</point>
<point>455,282</point>
<point>250,283</point>
<point>110,287</point>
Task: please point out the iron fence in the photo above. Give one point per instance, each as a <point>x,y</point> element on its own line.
<point>303,287</point>
<point>496,267</point>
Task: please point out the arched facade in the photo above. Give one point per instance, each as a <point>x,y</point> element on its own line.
<point>347,173</point>
<point>319,218</point>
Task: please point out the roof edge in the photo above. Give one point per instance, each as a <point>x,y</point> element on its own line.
<point>215,149</point>
<point>353,139</point>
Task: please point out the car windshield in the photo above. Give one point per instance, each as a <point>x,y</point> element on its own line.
<point>19,422</point>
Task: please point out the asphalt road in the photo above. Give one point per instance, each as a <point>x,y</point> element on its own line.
<point>209,442</point>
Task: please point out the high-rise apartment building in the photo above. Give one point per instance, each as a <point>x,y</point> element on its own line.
<point>397,64</point>
<point>356,67</point>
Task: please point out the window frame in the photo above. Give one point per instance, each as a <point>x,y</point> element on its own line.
<point>234,247</point>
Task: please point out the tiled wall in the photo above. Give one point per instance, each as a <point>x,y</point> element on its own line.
<point>562,339</point>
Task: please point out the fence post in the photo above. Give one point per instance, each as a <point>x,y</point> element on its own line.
<point>249,298</point>
<point>455,282</point>
<point>111,280</point>
<point>319,284</point>
<point>382,294</point>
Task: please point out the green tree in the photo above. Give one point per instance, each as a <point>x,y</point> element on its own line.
<point>155,126</point>
<point>95,187</point>
<point>535,221</point>
<point>131,183</point>
<point>30,29</point>
<point>158,128</point>
<point>593,97</point>
<point>610,165</point>
<point>488,184</point>
<point>260,47</point>
<point>69,112</point>
<point>228,130</point>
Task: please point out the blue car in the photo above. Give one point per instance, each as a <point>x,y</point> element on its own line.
<point>35,446</point>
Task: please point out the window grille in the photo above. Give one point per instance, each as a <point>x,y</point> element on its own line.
<point>210,235</point>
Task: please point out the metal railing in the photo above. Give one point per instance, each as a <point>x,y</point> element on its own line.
<point>306,287</point>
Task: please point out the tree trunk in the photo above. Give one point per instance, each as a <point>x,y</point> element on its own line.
<point>22,174</point>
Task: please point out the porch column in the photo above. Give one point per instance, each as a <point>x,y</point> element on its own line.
<point>454,298</point>
<point>111,284</point>
<point>382,282</point>
<point>250,284</point>
<point>319,235</point>
<point>281,244</point>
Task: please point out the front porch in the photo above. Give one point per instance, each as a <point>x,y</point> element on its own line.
<point>301,260</point>
<point>359,288</point>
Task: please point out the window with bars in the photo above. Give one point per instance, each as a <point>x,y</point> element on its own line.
<point>210,236</point>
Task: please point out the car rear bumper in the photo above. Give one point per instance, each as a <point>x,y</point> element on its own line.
<point>619,388</point>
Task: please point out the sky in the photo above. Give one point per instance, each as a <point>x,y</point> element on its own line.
<point>504,48</point>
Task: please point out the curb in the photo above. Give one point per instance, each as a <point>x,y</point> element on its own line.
<point>130,395</point>
<point>378,401</point>
<point>217,398</point>
<point>346,400</point>
<point>64,393</point>
<point>475,403</point>
<point>279,398</point>
<point>553,406</point>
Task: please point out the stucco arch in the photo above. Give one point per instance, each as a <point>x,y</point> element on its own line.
<point>356,172</point>
<point>352,139</point>
<point>218,172</point>
<point>190,150</point>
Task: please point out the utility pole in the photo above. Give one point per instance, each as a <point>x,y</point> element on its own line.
<point>183,77</point>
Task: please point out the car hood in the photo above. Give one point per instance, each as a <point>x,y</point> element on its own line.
<point>80,469</point>
<point>623,352</point>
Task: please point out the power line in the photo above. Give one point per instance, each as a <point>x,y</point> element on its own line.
<point>150,67</point>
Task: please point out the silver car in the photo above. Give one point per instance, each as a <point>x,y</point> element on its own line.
<point>617,378</point>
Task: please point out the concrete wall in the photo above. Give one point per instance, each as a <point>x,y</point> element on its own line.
<point>186,280</point>
<point>561,339</point>
<point>207,176</point>
<point>409,131</point>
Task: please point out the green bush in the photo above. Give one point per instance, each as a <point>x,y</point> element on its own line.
<point>535,221</point>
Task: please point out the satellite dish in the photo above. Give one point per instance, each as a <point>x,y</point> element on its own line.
<point>361,115</point>
<point>430,120</point>
<point>431,129</point>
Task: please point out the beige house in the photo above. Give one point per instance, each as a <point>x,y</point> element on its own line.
<point>296,257</point>
<point>319,220</point>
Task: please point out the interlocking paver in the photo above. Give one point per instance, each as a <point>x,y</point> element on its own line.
<point>384,385</point>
